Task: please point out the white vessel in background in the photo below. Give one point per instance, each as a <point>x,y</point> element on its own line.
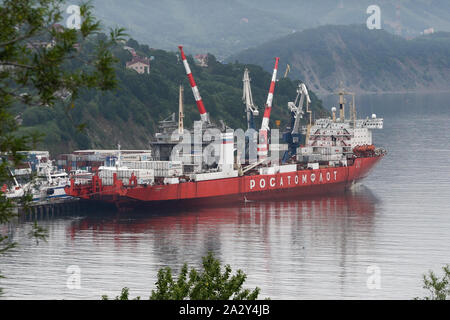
<point>50,182</point>
<point>44,183</point>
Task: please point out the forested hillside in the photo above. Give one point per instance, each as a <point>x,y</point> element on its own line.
<point>129,115</point>
<point>364,60</point>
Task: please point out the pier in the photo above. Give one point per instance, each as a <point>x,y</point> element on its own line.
<point>43,210</point>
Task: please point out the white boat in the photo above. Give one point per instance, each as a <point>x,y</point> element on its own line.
<point>48,184</point>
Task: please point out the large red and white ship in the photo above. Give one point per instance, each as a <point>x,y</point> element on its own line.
<point>317,157</point>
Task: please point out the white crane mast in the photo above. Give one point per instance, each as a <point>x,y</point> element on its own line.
<point>297,110</point>
<point>247,98</point>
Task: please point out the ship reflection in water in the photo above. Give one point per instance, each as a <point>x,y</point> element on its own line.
<point>280,245</point>
<point>357,204</point>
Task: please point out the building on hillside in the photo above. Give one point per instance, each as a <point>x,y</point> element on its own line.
<point>77,46</point>
<point>37,44</point>
<point>201,60</point>
<point>428,31</point>
<point>139,64</point>
<point>58,28</point>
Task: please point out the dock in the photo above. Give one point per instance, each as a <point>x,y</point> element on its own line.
<point>48,209</point>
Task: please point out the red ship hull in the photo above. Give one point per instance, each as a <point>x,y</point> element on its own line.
<point>239,189</point>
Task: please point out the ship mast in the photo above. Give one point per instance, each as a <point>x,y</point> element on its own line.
<point>341,94</point>
<point>180,111</point>
<point>309,125</point>
<point>353,110</point>
<point>198,98</point>
<point>119,155</point>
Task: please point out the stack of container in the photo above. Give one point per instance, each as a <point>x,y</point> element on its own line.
<point>135,157</point>
<point>161,168</point>
<point>124,174</point>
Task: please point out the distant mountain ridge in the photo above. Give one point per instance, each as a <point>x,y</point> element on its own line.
<point>363,60</point>
<point>224,28</point>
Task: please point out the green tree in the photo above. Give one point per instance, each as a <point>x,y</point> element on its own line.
<point>210,283</point>
<point>439,288</point>
<point>124,295</point>
<point>43,63</point>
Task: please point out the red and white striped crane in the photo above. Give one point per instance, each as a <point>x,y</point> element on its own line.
<point>198,98</point>
<point>262,144</point>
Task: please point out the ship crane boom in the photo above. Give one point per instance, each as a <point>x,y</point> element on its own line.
<point>250,108</point>
<point>292,137</point>
<point>198,98</point>
<point>268,109</point>
<point>263,141</point>
<point>297,110</point>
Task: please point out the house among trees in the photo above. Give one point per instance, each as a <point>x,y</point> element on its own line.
<point>201,60</point>
<point>428,31</point>
<point>139,64</point>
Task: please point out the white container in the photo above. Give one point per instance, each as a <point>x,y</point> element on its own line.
<point>107,181</point>
<point>288,168</point>
<point>278,147</point>
<point>171,180</point>
<point>333,163</point>
<point>314,165</point>
<point>146,181</point>
<point>269,170</point>
<point>214,175</point>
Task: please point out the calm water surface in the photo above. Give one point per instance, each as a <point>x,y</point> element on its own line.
<point>396,222</point>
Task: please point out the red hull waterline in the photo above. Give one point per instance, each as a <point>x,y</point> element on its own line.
<point>230,190</point>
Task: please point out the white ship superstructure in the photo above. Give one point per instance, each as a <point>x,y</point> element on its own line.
<point>332,139</point>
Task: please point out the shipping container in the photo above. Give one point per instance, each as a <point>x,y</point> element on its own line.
<point>313,166</point>
<point>288,168</point>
